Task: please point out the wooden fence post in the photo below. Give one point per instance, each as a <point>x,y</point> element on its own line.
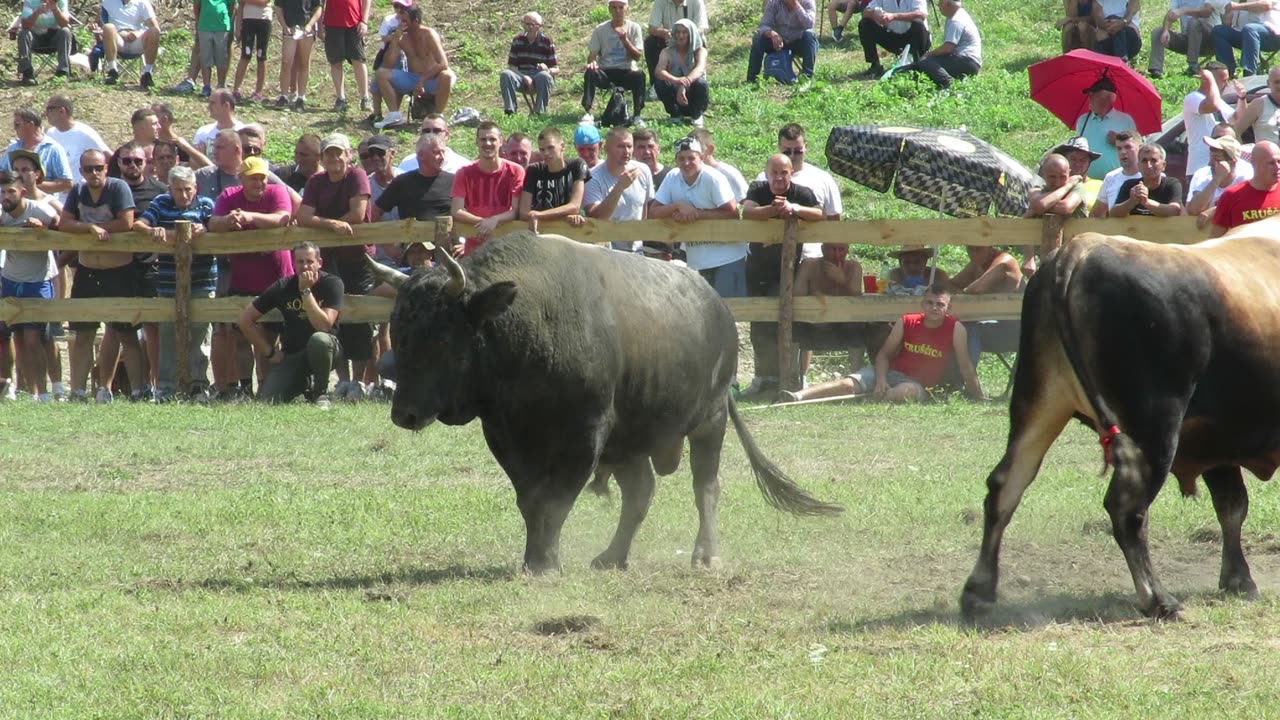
<point>444,228</point>
<point>182,305</point>
<point>787,375</point>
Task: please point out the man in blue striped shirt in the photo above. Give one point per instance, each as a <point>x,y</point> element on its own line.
<point>181,203</point>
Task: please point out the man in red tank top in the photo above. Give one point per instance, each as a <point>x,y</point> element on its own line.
<point>911,360</point>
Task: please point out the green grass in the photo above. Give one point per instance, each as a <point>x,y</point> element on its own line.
<point>251,562</point>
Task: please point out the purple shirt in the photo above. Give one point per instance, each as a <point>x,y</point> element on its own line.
<point>787,23</point>
<point>254,272</point>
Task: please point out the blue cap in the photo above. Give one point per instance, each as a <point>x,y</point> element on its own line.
<point>586,135</point>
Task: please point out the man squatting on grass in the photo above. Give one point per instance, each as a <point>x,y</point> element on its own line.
<point>911,360</point>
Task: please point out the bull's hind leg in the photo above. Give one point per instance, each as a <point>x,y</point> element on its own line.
<point>704,459</point>
<point>1231,503</point>
<point>1142,464</point>
<point>1034,423</point>
<point>636,483</point>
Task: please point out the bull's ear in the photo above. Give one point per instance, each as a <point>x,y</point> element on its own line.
<point>490,302</point>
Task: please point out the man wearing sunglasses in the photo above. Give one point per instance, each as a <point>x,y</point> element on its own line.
<point>57,169</point>
<point>377,159</point>
<point>913,359</point>
<point>100,206</point>
<point>74,136</point>
<point>436,124</point>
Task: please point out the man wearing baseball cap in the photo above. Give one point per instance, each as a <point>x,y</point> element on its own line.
<point>586,140</point>
<point>377,158</point>
<point>1225,169</point>
<point>1100,124</point>
<point>337,199</point>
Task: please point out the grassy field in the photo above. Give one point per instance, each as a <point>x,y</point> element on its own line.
<point>250,562</point>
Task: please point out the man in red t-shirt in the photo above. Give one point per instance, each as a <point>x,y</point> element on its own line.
<point>335,200</point>
<point>345,24</point>
<point>1253,200</point>
<point>485,193</point>
<point>912,359</point>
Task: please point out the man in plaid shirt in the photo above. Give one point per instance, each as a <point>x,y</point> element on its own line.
<point>531,65</point>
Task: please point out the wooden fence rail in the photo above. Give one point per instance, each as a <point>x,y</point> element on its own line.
<point>786,309</point>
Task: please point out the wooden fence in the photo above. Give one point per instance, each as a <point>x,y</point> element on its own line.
<point>784,309</point>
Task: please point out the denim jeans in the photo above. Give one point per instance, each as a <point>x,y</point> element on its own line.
<point>1252,40</point>
<point>806,47</point>
<point>167,365</point>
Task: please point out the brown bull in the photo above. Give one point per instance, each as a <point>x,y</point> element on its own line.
<point>1170,353</point>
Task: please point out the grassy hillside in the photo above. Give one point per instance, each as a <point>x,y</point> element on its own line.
<point>994,106</point>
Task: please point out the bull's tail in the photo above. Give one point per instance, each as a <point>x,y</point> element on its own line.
<point>779,490</point>
<point>1116,447</point>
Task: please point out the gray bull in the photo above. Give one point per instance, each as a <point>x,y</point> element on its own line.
<point>577,360</point>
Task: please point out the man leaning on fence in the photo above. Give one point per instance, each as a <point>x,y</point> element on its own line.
<point>309,302</point>
<point>1254,200</point>
<point>620,188</point>
<point>697,193</point>
<point>97,207</point>
<point>160,219</point>
<point>776,198</point>
<point>27,274</point>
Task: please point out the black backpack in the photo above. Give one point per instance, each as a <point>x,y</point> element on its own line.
<point>615,111</point>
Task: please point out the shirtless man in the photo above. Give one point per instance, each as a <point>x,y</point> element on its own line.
<point>428,72</point>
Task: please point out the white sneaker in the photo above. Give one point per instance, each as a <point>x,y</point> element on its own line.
<point>653,94</point>
<point>587,119</point>
<point>392,119</point>
<point>323,403</point>
<point>697,122</point>
<point>10,390</point>
<point>104,396</point>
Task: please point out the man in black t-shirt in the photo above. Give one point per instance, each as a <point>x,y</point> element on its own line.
<point>309,303</point>
<point>306,162</point>
<point>1152,194</point>
<point>777,197</point>
<point>553,188</point>
<point>423,193</point>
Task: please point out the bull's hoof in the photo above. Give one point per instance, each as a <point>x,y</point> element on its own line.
<point>1164,609</point>
<point>540,569</point>
<point>605,561</point>
<point>1242,586</point>
<point>977,599</point>
<point>706,562</point>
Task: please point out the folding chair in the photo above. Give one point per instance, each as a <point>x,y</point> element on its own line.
<point>129,65</point>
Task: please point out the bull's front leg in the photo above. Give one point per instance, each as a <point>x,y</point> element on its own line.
<point>544,509</point>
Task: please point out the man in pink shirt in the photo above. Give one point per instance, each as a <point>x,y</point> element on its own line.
<point>253,205</point>
<point>485,193</point>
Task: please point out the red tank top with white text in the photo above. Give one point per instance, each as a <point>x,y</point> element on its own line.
<point>925,350</point>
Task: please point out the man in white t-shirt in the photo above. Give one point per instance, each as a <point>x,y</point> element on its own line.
<point>74,136</point>
<point>959,55</point>
<point>222,108</point>
<point>436,124</point>
<point>737,183</point>
<point>132,28</point>
<point>696,193</point>
<point>1126,146</point>
<point>1204,108</point>
<point>1226,168</point>
<point>620,188</point>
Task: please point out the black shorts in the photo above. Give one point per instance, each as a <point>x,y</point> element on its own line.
<point>357,341</point>
<point>119,282</point>
<point>342,44</point>
<point>254,34</point>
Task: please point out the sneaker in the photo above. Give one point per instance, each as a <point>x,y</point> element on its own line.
<point>62,72</point>
<point>299,105</point>
<point>59,397</point>
<point>637,121</point>
<point>356,392</point>
<point>104,396</point>
<point>199,394</point>
<point>322,402</point>
<point>145,395</point>
<point>185,86</point>
<point>238,97</point>
<point>837,33</point>
<point>256,98</point>
<point>29,78</point>
<point>366,102</point>
<point>696,122</point>
<point>786,396</point>
<point>206,91</point>
<point>393,119</point>
<point>10,391</point>
<point>113,76</point>
<point>1192,71</point>
<point>145,82</point>
<point>78,396</point>
<point>759,388</point>
<point>653,94</point>
<point>43,399</point>
<point>1155,74</point>
<point>587,119</point>
<point>282,102</point>
<point>340,390</point>
<point>874,71</point>
<point>340,105</point>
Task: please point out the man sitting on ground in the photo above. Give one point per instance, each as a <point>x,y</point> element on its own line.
<point>309,300</point>
<point>839,12</point>
<point>44,23</point>
<point>131,28</point>
<point>913,269</point>
<point>959,55</point>
<point>911,360</point>
<point>428,72</point>
<point>531,67</point>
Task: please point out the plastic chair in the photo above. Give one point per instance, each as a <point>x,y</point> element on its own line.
<point>129,65</point>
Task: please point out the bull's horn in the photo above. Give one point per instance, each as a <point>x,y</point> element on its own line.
<point>457,278</point>
<point>388,275</point>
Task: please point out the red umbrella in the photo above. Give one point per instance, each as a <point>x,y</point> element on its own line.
<point>1059,84</point>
